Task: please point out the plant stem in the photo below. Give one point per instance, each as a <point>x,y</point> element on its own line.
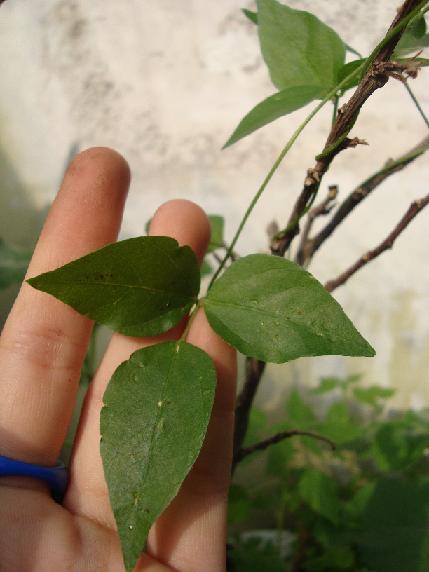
<point>190,320</point>
<point>396,27</point>
<point>334,112</point>
<point>368,84</point>
<point>276,165</point>
<point>375,75</point>
<point>412,211</point>
<point>388,44</point>
<point>310,247</point>
<point>262,445</point>
<point>254,371</point>
<point>416,103</point>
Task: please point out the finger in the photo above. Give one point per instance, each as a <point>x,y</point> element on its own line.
<point>87,493</point>
<point>191,533</point>
<point>44,341</point>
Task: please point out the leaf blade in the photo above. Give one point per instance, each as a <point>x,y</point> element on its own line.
<point>153,425</point>
<point>319,492</point>
<point>140,286</point>
<point>277,105</point>
<point>251,15</point>
<point>414,37</point>
<point>217,224</point>
<point>271,309</point>
<point>297,47</point>
<point>346,70</point>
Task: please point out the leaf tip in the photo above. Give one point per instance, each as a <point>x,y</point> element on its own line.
<point>371,351</point>
<point>229,142</point>
<point>34,282</point>
<point>130,564</point>
<point>366,349</point>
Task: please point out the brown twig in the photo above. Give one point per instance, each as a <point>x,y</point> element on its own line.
<point>322,209</point>
<point>254,370</point>
<point>412,211</point>
<point>310,246</point>
<point>375,77</point>
<point>262,445</point>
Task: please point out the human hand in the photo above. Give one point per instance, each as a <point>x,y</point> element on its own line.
<point>42,348</point>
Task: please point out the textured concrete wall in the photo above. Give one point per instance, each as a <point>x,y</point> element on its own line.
<point>165,82</point>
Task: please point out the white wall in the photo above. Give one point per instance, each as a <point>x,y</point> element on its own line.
<point>165,82</point>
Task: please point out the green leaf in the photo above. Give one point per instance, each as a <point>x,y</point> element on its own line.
<point>275,106</point>
<point>251,15</point>
<point>373,395</point>
<point>139,287</point>
<point>239,504</point>
<point>279,457</point>
<point>298,48</point>
<point>395,448</point>
<point>395,527</point>
<point>326,385</point>
<point>334,558</point>
<point>13,264</point>
<point>217,223</point>
<point>157,407</point>
<point>339,425</point>
<point>320,493</point>
<point>389,447</point>
<point>272,309</point>
<point>257,555</point>
<point>358,503</point>
<point>331,383</point>
<point>346,70</point>
<point>299,414</point>
<point>350,49</point>
<point>414,38</point>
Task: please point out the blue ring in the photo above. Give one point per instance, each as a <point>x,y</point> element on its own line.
<point>56,477</point>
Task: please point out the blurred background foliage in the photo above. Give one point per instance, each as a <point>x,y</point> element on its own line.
<point>363,507</point>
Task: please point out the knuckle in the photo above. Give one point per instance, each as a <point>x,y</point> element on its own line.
<point>45,348</point>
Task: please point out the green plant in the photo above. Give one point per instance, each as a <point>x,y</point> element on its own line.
<point>268,307</point>
<point>362,506</point>
<point>13,264</point>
